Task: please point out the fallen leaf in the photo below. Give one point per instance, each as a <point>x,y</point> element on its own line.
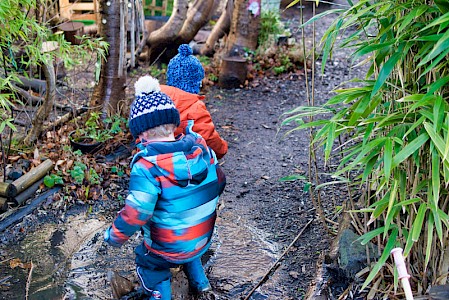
<point>36,154</point>
<point>16,262</point>
<point>293,274</point>
<point>14,158</point>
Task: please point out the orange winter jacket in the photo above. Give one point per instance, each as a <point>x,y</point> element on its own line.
<point>191,107</point>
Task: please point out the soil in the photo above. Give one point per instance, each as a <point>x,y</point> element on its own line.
<point>260,154</point>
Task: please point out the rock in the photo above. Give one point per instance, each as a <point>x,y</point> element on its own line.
<point>352,254</point>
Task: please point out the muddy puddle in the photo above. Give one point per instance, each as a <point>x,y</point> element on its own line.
<point>69,261</point>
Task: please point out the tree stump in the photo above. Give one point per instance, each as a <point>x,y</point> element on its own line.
<point>71,30</point>
<point>232,72</point>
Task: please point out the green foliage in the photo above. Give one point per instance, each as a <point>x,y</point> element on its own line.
<point>52,180</point>
<point>77,172</point>
<point>270,25</point>
<point>98,130</point>
<point>397,118</point>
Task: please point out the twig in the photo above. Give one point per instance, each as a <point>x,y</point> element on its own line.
<point>265,277</point>
<point>29,280</point>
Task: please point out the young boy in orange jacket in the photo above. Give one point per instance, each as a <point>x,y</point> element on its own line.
<point>184,77</point>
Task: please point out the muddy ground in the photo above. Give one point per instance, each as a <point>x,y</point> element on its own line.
<point>259,215</point>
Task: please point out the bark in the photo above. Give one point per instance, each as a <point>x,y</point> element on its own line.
<point>110,89</point>
<point>183,25</point>
<point>220,29</point>
<point>244,29</point>
<point>197,16</point>
<point>168,33</point>
<point>44,110</point>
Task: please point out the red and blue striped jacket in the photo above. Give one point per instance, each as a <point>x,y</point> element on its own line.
<point>173,193</point>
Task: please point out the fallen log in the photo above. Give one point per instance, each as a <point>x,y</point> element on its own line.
<point>28,193</point>
<point>16,217</point>
<point>32,176</point>
<point>7,190</point>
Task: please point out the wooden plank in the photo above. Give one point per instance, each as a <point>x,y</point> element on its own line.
<point>83,6</point>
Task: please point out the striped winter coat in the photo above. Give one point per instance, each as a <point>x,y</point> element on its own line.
<point>173,193</point>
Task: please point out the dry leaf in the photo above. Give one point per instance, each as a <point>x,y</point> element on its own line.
<point>16,262</point>
<point>14,158</point>
<point>36,154</point>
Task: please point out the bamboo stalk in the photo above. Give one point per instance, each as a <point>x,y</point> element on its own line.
<point>32,176</point>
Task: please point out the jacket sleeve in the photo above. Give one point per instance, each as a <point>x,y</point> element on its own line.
<point>205,127</point>
<point>139,205</point>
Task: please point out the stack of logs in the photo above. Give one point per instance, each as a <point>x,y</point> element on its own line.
<point>17,192</point>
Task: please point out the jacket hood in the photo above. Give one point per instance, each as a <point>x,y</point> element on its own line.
<point>183,162</point>
<point>182,99</point>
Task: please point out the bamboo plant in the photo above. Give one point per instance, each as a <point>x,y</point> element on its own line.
<point>396,124</point>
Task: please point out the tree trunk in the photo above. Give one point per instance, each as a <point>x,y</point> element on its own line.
<point>220,29</point>
<point>110,89</point>
<point>244,27</point>
<point>44,110</point>
<point>183,25</point>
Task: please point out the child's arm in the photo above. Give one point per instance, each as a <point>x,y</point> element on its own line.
<point>139,206</point>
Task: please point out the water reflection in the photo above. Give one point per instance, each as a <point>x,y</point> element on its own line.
<point>71,262</point>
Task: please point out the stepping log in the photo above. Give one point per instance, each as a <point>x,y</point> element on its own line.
<point>32,176</point>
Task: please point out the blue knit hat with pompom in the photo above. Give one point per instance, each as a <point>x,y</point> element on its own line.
<point>185,71</point>
<point>151,107</point>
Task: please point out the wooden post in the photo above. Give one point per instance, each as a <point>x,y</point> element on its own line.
<point>32,176</point>
<point>233,72</point>
<point>72,29</point>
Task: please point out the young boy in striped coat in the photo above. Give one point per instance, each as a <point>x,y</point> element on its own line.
<point>173,193</point>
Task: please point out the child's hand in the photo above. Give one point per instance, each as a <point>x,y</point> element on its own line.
<point>107,238</point>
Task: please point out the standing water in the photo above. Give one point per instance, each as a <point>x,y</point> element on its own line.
<point>70,261</point>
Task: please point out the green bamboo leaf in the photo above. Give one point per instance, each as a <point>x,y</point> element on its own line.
<point>388,157</point>
<point>387,68</point>
<point>418,222</point>
<point>408,202</point>
<point>443,217</point>
<point>440,47</point>
<point>367,237</point>
<point>435,62</point>
<point>391,203</point>
<point>437,85</point>
<point>430,227</point>
<point>440,20</point>
<point>437,222</point>
<point>391,243</point>
<point>369,167</point>
<point>409,149</point>
<point>413,14</point>
<point>435,175</point>
<point>408,245</point>
<point>358,108</point>
<point>370,48</point>
<point>438,112</point>
<point>437,141</point>
<point>330,140</point>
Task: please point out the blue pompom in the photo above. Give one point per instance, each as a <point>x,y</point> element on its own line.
<point>185,50</point>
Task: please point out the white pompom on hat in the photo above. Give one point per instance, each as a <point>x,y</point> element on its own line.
<point>151,107</point>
